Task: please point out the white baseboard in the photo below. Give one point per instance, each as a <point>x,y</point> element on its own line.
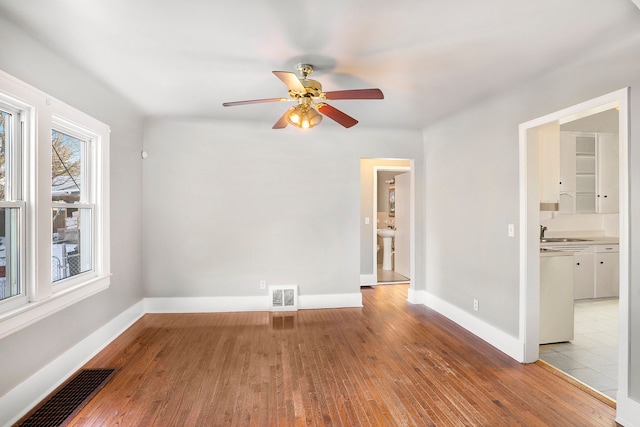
<point>206,304</point>
<point>253,303</point>
<point>330,301</point>
<point>502,341</point>
<point>367,279</point>
<point>17,402</point>
<point>417,297</point>
<point>627,411</point>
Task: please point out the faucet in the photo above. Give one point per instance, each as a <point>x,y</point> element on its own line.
<point>542,230</point>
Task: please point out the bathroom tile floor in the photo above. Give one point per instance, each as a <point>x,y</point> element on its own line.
<point>592,356</point>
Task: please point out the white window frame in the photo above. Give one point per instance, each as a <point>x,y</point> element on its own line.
<point>14,194</point>
<point>41,297</point>
<point>88,193</point>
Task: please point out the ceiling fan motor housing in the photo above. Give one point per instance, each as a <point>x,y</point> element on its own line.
<point>313,87</point>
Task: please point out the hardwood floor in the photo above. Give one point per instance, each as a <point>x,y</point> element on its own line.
<point>389,363</point>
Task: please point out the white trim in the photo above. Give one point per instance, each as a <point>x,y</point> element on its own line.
<point>206,304</point>
<point>627,411</point>
<point>250,303</point>
<point>17,402</point>
<point>412,217</point>
<point>367,279</point>
<point>504,342</point>
<point>308,302</point>
<point>417,297</point>
<point>32,312</point>
<point>529,257</point>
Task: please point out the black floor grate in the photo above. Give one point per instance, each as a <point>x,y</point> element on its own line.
<point>64,403</point>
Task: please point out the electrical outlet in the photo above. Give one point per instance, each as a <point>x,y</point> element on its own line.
<point>475,305</point>
<point>511,230</point>
<point>263,284</point>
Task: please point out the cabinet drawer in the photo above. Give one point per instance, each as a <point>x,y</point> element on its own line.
<point>606,248</point>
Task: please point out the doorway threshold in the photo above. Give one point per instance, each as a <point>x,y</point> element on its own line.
<point>582,386</point>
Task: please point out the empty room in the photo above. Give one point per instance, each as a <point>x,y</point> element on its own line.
<point>330,213</point>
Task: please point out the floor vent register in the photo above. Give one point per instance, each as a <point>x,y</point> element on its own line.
<point>65,402</point>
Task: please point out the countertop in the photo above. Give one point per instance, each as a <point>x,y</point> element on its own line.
<point>601,240</point>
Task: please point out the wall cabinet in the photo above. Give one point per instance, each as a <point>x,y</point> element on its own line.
<point>608,173</point>
<point>596,272</point>
<point>588,172</point>
<point>547,139</point>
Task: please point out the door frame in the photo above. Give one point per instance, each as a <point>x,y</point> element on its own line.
<point>530,220</point>
<point>412,245</point>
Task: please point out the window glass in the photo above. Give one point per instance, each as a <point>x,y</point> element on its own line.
<point>71,252</point>
<point>9,253</point>
<point>5,120</point>
<point>66,167</point>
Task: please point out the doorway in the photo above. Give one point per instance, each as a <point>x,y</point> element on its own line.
<point>530,223</point>
<point>392,216</point>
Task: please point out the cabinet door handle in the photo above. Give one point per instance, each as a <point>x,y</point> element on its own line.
<point>601,262</point>
<point>605,197</point>
<point>577,263</point>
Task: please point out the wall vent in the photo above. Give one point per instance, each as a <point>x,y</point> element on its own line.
<point>283,298</point>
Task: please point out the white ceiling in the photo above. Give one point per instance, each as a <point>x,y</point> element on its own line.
<point>430,57</point>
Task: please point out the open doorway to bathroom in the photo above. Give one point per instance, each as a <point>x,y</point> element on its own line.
<point>392,218</point>
<point>375,209</point>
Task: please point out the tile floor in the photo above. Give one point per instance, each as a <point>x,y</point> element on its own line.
<point>592,357</point>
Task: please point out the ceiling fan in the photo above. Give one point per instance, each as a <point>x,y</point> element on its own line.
<point>309,97</point>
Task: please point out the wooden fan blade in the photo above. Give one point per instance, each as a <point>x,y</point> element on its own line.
<point>255,101</point>
<point>282,121</point>
<point>355,94</point>
<point>291,80</point>
<point>335,114</point>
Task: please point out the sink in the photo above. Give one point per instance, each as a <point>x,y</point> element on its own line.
<point>387,235</point>
<point>561,240</point>
<point>386,232</point>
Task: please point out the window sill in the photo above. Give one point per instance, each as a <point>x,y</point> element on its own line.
<point>28,314</point>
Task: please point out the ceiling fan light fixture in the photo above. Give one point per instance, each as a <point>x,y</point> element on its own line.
<point>304,117</point>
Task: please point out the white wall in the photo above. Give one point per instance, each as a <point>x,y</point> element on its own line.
<point>229,204</point>
<point>472,188</point>
<point>25,352</point>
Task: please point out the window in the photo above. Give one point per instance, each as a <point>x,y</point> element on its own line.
<point>72,209</point>
<point>54,205</point>
<point>11,206</point>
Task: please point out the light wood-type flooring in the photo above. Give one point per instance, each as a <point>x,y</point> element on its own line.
<point>389,363</point>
